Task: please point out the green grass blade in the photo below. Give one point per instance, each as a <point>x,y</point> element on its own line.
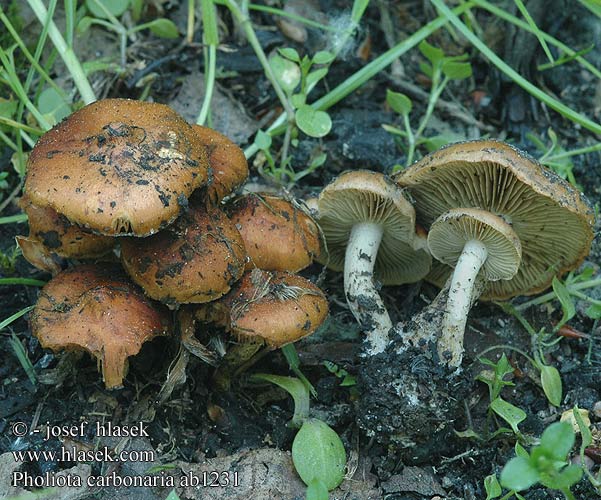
<point>21,354</point>
<point>14,317</point>
<point>537,33</point>
<point>502,14</point>
<point>13,219</point>
<point>553,103</point>
<point>291,15</point>
<point>21,281</point>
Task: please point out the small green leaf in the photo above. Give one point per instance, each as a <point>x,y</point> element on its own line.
<point>316,490</point>
<point>294,387</point>
<point>520,451</point>
<point>585,432</point>
<point>557,440</point>
<point>563,480</point>
<point>323,57</point>
<point>519,474</point>
<point>51,103</point>
<point>312,122</point>
<point>263,140</point>
<point>400,103</point>
<point>492,487</point>
<point>289,53</point>
<point>316,75</point>
<point>84,24</point>
<point>163,28</point>
<point>567,304</point>
<point>172,495</point>
<point>318,454</point>
<point>433,54</point>
<point>115,7</point>
<point>286,72</point>
<point>457,70</point>
<point>426,69</point>
<point>508,412</point>
<point>551,382</point>
<point>593,311</point>
<point>136,9</point>
<point>298,100</point>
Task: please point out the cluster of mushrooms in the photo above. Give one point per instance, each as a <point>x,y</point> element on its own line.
<point>134,180</point>
<point>136,188</point>
<point>478,219</point>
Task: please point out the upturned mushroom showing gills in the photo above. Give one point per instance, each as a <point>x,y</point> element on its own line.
<point>97,309</point>
<point>279,235</point>
<point>370,232</point>
<point>518,203</point>
<point>118,167</point>
<point>196,259</point>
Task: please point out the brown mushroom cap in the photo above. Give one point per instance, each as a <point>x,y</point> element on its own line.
<point>364,196</point>
<point>552,219</point>
<point>101,311</point>
<point>196,259</point>
<point>118,167</point>
<point>228,163</point>
<point>57,235</point>
<point>278,235</point>
<point>277,307</point>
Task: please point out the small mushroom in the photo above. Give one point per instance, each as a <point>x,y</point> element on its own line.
<point>118,167</point>
<point>197,259</point>
<point>100,310</point>
<point>228,164</point>
<point>265,308</point>
<point>51,236</point>
<point>481,247</point>
<point>278,234</point>
<point>369,228</point>
<point>551,219</point>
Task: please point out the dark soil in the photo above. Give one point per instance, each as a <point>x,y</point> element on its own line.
<point>196,422</point>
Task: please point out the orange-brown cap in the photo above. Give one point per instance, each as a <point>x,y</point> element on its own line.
<point>278,235</point>
<point>51,233</point>
<point>276,307</point>
<point>197,259</point>
<point>553,221</point>
<point>100,310</point>
<point>118,167</point>
<point>228,163</point>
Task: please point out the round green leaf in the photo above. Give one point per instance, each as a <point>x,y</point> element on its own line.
<point>318,454</point>
<point>519,474</point>
<point>286,72</point>
<point>399,102</point>
<point>52,104</point>
<point>323,57</point>
<point>163,28</point>
<point>312,122</point>
<point>290,53</point>
<point>115,7</point>
<point>557,440</point>
<point>457,70</point>
<point>263,140</point>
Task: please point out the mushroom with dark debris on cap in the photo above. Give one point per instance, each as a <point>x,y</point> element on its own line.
<point>278,234</point>
<point>52,236</point>
<point>118,167</point>
<point>197,259</point>
<point>97,309</point>
<point>229,168</point>
<point>370,232</point>
<point>265,308</point>
<point>531,202</point>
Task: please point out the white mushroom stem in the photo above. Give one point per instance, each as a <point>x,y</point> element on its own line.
<point>361,295</point>
<point>461,297</point>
